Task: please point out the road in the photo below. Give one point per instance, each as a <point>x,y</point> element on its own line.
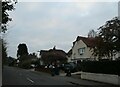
<point>17,76</point>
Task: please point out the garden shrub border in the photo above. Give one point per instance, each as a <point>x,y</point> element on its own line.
<point>104,67</point>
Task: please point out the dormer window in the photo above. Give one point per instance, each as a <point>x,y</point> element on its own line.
<point>81,50</point>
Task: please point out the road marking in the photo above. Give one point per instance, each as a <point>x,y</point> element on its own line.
<point>30,80</point>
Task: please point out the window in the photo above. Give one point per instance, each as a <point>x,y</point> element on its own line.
<point>81,50</point>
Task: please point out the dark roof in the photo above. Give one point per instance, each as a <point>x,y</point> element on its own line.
<point>53,52</point>
<point>90,42</point>
<point>42,52</point>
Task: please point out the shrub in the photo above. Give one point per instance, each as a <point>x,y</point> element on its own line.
<point>25,64</point>
<point>105,67</point>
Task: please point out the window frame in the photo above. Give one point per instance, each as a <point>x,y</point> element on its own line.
<point>81,51</point>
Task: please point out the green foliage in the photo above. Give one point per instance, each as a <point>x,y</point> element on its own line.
<point>27,60</point>
<point>11,61</point>
<point>108,39</point>
<point>110,33</point>
<point>7,5</point>
<point>22,50</point>
<point>25,64</point>
<point>105,67</point>
<point>98,49</point>
<point>4,51</point>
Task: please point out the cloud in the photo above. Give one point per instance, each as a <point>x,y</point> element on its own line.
<point>47,24</point>
<point>32,6</point>
<point>84,6</point>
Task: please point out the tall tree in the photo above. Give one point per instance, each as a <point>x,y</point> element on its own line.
<point>99,50</point>
<point>91,34</point>
<point>108,40</point>
<point>22,50</point>
<point>7,5</point>
<point>4,51</point>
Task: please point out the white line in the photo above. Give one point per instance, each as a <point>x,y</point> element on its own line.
<point>30,80</point>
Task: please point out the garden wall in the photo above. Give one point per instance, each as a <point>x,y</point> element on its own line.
<point>106,78</point>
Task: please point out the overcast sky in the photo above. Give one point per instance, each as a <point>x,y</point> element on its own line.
<point>43,25</point>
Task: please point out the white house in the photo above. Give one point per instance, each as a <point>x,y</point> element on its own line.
<point>81,49</point>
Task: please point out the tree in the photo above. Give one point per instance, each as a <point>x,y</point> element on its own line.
<point>100,48</point>
<point>108,39</point>
<point>22,54</point>
<point>7,5</point>
<point>91,34</point>
<point>4,51</point>
<point>4,19</point>
<point>22,50</point>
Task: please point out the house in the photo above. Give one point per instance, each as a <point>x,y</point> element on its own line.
<point>53,55</point>
<point>82,49</point>
<point>69,55</point>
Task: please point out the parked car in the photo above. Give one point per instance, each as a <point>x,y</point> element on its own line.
<point>32,66</point>
<point>70,66</point>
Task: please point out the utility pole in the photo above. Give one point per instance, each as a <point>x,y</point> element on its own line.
<point>119,10</point>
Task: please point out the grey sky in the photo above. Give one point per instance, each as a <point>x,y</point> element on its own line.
<point>41,25</point>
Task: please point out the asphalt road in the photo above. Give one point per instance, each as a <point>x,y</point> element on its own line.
<point>17,76</point>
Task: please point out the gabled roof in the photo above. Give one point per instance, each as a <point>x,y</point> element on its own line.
<point>53,52</point>
<point>90,42</point>
<point>42,52</point>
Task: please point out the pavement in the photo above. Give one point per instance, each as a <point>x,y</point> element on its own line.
<point>75,79</point>
<point>77,75</point>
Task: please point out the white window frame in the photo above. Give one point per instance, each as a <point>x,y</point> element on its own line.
<point>81,51</point>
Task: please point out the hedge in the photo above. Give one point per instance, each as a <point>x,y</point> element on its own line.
<point>105,67</point>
